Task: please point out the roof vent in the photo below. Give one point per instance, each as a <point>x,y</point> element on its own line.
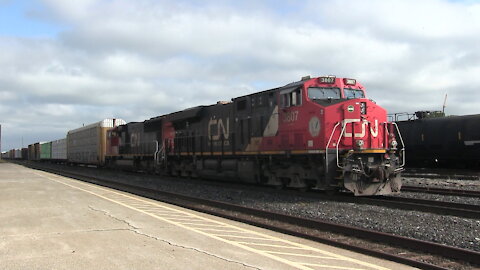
<point>304,78</point>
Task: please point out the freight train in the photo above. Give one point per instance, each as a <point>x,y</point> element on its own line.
<point>435,140</point>
<point>319,133</point>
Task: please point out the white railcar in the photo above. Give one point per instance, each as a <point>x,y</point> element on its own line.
<point>59,150</point>
<point>87,145</point>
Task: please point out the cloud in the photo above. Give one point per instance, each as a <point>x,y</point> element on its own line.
<point>139,59</point>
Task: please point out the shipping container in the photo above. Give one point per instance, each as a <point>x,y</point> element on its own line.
<point>87,144</point>
<point>17,153</point>
<point>25,153</point>
<point>34,151</point>
<point>59,150</point>
<point>31,151</point>
<point>46,150</point>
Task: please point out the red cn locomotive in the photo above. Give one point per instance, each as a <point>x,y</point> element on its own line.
<point>320,133</point>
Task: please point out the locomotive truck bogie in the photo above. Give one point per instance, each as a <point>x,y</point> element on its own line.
<point>371,174</point>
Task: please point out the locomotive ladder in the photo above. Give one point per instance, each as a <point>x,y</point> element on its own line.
<point>160,156</point>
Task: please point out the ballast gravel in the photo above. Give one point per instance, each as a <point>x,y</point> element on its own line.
<point>452,183</point>
<point>448,230</point>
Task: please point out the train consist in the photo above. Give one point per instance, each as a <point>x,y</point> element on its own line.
<point>321,133</point>
<point>433,140</point>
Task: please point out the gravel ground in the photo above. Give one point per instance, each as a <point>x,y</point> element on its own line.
<point>449,230</point>
<point>437,197</point>
<point>442,183</point>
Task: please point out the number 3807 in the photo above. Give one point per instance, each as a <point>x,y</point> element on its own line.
<point>290,116</point>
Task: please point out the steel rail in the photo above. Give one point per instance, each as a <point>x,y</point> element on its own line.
<point>439,176</point>
<point>443,191</point>
<point>427,206</point>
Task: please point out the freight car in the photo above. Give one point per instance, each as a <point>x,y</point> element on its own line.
<point>34,151</point>
<point>59,150</point>
<point>87,145</point>
<point>452,141</point>
<point>24,153</point>
<point>18,154</point>
<point>46,151</point>
<point>320,133</point>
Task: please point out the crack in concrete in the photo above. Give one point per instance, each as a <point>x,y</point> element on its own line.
<point>113,217</point>
<point>195,249</point>
<point>106,230</point>
<point>136,231</point>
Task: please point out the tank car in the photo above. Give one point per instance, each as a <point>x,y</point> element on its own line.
<point>452,141</point>
<point>321,133</point>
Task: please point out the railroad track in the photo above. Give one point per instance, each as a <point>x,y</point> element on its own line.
<point>429,206</point>
<point>433,175</point>
<point>442,173</point>
<point>414,204</point>
<point>443,191</point>
<point>399,248</point>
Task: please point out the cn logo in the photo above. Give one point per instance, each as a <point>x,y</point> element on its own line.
<point>216,128</point>
<point>373,128</point>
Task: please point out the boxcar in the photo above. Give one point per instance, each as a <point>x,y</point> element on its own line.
<point>59,150</point>
<point>25,153</point>
<point>87,145</point>
<point>31,151</point>
<point>18,153</point>
<point>46,150</point>
<point>34,151</point>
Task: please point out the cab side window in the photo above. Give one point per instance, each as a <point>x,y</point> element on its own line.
<point>292,98</point>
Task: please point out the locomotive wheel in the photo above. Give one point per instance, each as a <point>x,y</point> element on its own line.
<point>296,182</point>
<point>275,181</point>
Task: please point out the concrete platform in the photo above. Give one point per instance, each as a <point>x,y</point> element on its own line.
<point>53,222</point>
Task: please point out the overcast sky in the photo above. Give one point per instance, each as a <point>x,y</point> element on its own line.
<point>65,63</point>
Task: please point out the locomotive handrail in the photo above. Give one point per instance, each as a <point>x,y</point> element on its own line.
<point>158,151</point>
<point>155,156</point>
<point>403,144</point>
<point>338,144</point>
<point>326,148</point>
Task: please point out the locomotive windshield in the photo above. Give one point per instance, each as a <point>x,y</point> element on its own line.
<point>323,93</point>
<point>353,93</point>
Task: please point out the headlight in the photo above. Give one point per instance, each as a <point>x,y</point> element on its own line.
<point>360,144</point>
<point>394,144</point>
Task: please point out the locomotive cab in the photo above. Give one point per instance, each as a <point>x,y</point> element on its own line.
<point>360,146</point>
